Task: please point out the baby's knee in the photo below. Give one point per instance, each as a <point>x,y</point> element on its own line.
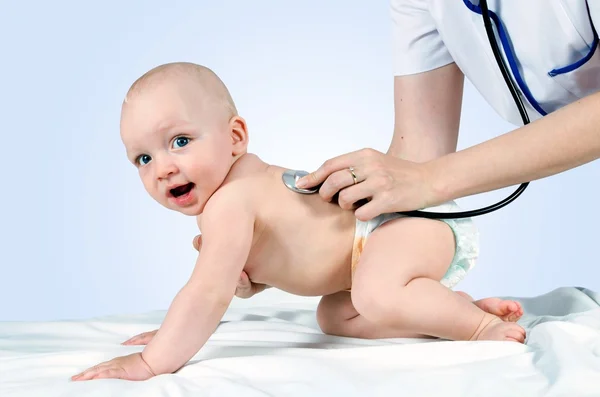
<point>333,310</point>
<point>375,303</point>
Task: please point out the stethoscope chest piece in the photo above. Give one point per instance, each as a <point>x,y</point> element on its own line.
<point>290,177</point>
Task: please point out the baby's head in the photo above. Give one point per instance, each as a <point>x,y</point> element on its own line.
<point>181,130</point>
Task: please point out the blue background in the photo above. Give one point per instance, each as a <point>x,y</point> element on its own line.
<point>81,238</point>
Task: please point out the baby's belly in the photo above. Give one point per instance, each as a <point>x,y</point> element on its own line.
<point>315,282</point>
<point>318,265</point>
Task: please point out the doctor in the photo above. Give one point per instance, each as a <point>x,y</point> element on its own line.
<point>555,66</point>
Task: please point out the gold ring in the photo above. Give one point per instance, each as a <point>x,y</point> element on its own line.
<point>351,169</point>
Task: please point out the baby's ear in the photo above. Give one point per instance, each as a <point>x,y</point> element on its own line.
<point>239,135</point>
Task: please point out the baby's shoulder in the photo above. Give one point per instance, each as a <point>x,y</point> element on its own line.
<point>247,188</point>
<point>241,193</point>
<point>231,199</point>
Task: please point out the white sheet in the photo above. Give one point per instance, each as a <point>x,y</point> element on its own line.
<point>279,351</point>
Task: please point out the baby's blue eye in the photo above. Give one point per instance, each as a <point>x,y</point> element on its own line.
<point>181,141</point>
<point>144,159</point>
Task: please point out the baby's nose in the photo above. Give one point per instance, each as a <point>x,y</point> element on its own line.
<point>166,168</point>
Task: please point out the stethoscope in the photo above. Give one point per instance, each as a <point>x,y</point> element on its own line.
<point>290,177</point>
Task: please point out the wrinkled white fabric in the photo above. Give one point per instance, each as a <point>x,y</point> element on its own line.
<point>279,351</point>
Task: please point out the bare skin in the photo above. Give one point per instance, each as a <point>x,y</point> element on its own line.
<point>506,310</point>
<point>179,136</point>
<point>338,308</point>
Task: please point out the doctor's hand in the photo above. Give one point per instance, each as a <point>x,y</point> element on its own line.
<point>131,367</point>
<point>386,183</point>
<point>245,288</point>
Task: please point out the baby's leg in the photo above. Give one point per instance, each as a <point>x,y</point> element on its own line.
<point>336,315</point>
<point>397,285</point>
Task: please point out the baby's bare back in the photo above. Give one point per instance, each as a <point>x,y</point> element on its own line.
<point>302,244</point>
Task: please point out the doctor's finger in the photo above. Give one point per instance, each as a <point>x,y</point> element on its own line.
<point>373,208</point>
<point>329,167</point>
<point>335,182</point>
<point>353,195</point>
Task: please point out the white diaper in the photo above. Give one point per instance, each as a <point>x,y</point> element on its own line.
<point>466,237</point>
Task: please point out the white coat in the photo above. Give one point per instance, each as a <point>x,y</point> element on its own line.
<point>553,42</point>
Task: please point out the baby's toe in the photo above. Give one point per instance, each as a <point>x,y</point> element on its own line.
<point>517,308</point>
<point>517,334</point>
<point>513,311</point>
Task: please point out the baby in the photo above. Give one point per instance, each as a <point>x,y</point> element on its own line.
<point>386,278</point>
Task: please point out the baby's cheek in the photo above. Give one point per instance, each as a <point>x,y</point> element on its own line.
<point>154,192</point>
<point>210,176</point>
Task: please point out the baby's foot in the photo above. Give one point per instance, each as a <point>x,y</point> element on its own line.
<point>493,328</point>
<point>510,311</point>
<point>507,310</point>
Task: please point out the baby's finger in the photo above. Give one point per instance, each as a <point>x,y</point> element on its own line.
<point>134,339</point>
<point>197,242</point>
<point>142,339</point>
<point>110,373</point>
<point>243,293</point>
<point>88,373</point>
<point>244,287</point>
<point>244,279</point>
<point>130,340</point>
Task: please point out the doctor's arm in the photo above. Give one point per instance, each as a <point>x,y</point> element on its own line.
<point>403,181</point>
<point>427,109</point>
<point>562,140</point>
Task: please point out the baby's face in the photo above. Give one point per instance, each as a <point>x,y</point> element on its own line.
<point>180,145</point>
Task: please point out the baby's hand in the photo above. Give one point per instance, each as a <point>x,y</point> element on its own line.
<point>142,339</point>
<point>245,288</point>
<point>131,367</point>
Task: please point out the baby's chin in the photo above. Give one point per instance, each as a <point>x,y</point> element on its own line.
<point>192,211</point>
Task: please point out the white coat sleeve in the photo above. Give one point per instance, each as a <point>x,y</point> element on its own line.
<point>417,44</point>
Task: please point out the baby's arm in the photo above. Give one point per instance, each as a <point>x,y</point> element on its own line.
<point>246,288</point>
<point>197,309</point>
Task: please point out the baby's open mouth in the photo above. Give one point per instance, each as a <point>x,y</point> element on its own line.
<point>181,190</point>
